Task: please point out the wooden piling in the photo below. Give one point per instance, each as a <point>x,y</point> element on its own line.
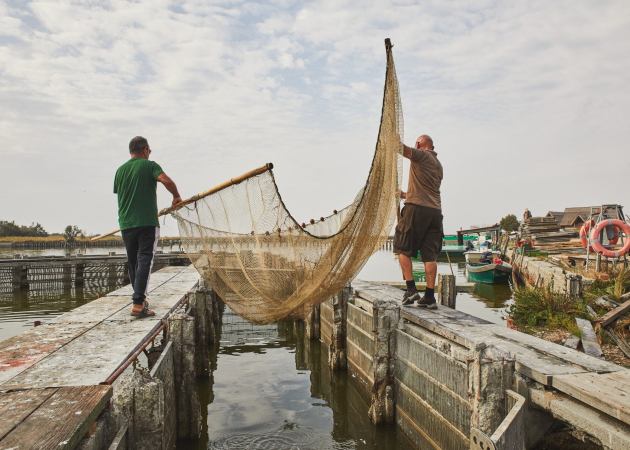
<point>447,290</point>
<point>337,356</point>
<point>78,275</point>
<point>312,323</point>
<point>181,330</point>
<point>199,311</point>
<point>20,277</point>
<point>385,317</point>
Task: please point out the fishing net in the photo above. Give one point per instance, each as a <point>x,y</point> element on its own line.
<point>263,263</point>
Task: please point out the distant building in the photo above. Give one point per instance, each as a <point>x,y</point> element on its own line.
<point>575,217</point>
<point>556,215</point>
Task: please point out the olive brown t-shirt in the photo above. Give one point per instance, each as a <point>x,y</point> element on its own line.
<point>135,183</point>
<point>425,178</point>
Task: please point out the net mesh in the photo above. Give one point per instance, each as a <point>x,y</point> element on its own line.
<point>263,263</point>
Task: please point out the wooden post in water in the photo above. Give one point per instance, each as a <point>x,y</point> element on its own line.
<point>112,274</point>
<point>67,274</point>
<point>126,279</point>
<point>78,275</point>
<point>20,277</point>
<point>199,311</point>
<point>447,290</point>
<point>311,323</point>
<point>181,331</point>
<point>337,356</point>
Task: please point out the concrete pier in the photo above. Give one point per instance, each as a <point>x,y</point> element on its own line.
<point>454,381</point>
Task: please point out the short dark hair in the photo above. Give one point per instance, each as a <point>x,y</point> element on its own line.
<point>138,144</point>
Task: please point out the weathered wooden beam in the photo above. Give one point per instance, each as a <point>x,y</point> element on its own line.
<point>72,409</point>
<point>589,339</point>
<point>606,392</point>
<point>614,314</point>
<point>619,340</point>
<point>583,418</point>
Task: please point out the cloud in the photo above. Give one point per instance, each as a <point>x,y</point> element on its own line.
<point>527,99</point>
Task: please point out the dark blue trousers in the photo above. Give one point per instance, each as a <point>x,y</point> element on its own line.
<point>140,244</point>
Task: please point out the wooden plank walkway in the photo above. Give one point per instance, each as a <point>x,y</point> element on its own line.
<point>51,418</point>
<point>98,335</point>
<point>50,375</point>
<point>603,386</point>
<point>608,392</point>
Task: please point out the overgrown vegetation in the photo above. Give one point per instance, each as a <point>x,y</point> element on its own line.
<point>12,229</point>
<point>535,307</point>
<point>541,308</point>
<point>618,285</point>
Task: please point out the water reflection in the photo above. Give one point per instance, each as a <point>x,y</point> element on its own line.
<point>272,389</point>
<point>493,295</point>
<point>41,302</point>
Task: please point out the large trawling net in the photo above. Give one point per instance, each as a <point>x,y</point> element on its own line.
<point>264,264</point>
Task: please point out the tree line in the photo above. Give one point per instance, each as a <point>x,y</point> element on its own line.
<point>11,229</point>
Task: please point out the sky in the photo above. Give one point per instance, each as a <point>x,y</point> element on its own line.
<point>527,101</point>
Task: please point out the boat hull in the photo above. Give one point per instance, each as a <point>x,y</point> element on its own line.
<point>488,273</point>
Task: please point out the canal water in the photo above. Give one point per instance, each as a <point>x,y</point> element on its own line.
<point>270,388</point>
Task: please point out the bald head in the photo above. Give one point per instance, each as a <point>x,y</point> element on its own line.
<point>424,142</point>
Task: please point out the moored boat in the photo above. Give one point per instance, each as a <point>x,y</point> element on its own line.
<point>485,266</point>
<point>475,256</point>
<point>488,272</point>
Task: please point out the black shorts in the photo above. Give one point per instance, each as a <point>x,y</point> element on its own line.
<point>419,228</point>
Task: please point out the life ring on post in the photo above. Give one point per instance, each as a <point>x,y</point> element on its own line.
<point>599,228</point>
<point>584,232</point>
<point>612,233</point>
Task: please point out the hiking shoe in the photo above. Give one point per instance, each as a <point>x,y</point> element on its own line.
<point>428,303</point>
<point>410,297</point>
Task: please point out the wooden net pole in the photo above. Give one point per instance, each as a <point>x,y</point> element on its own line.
<point>199,196</point>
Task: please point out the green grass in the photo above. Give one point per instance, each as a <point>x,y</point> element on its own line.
<point>618,285</point>
<point>541,308</point>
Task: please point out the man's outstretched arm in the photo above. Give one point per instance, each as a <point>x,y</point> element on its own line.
<point>171,187</point>
<point>413,153</point>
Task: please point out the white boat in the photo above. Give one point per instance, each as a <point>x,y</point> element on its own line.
<point>474,256</point>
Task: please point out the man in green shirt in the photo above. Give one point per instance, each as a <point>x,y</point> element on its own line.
<point>135,184</point>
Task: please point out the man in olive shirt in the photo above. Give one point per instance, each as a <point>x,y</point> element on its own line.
<point>135,184</point>
<point>420,224</point>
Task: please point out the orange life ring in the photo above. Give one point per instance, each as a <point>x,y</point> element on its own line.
<point>584,232</point>
<point>612,240</point>
<point>597,245</point>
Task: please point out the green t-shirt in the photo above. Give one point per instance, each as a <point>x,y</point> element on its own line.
<point>135,183</point>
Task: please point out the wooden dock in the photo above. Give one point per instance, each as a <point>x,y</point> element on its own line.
<point>52,377</point>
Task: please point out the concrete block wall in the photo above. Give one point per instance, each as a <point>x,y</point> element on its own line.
<point>437,390</point>
<point>541,273</point>
<point>432,392</point>
<point>326,322</point>
<point>360,342</point>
